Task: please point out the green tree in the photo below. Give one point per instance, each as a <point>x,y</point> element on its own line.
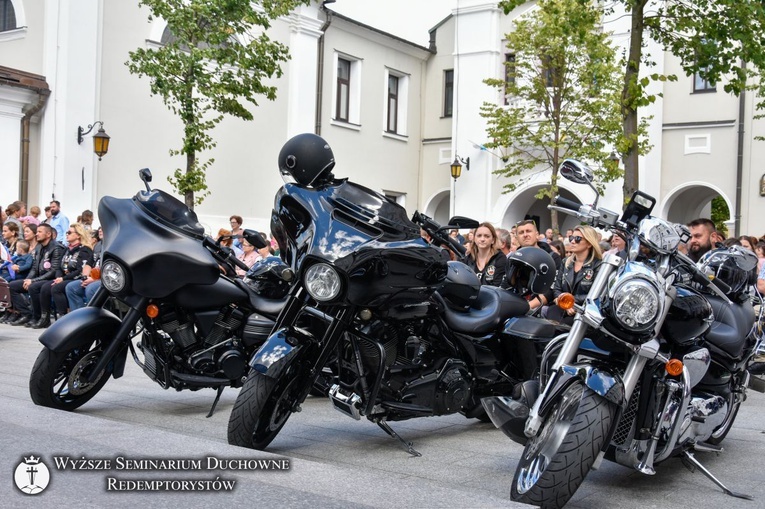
<point>720,214</point>
<point>218,57</point>
<point>562,89</point>
<point>714,38</point>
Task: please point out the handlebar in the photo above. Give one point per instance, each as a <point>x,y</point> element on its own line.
<point>567,204</point>
<point>223,254</point>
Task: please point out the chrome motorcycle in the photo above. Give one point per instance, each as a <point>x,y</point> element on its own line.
<point>654,366</point>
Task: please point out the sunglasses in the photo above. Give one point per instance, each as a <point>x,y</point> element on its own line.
<point>70,232</point>
<point>575,239</point>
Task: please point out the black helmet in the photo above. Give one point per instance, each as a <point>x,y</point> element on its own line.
<point>266,278</point>
<point>307,158</point>
<point>461,286</point>
<point>735,266</point>
<point>530,270</point>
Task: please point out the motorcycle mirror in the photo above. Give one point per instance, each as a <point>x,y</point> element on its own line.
<point>576,172</point>
<point>579,173</point>
<point>145,175</point>
<point>255,238</point>
<point>462,223</point>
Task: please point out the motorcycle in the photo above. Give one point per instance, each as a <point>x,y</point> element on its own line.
<point>161,278</point>
<point>654,366</point>
<point>409,332</point>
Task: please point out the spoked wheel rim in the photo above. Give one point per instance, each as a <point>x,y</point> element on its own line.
<point>71,380</point>
<point>541,449</point>
<point>281,409</point>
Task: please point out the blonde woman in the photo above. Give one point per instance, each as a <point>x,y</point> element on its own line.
<point>578,271</point>
<point>485,258</point>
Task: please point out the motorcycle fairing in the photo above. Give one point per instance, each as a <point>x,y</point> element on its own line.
<point>159,258</point>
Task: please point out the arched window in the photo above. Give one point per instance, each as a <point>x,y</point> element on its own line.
<point>169,37</point>
<point>7,16</point>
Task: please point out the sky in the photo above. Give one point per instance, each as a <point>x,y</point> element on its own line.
<point>408,19</point>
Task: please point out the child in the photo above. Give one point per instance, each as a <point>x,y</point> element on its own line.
<point>20,264</point>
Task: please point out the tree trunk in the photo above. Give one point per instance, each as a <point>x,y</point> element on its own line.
<point>189,194</point>
<point>629,101</point>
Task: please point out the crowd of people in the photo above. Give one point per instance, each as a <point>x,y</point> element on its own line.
<point>51,266</point>
<point>46,262</point>
<point>577,256</point>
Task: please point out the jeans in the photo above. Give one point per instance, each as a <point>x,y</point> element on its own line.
<point>79,296</point>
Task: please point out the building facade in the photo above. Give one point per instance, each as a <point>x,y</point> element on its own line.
<point>395,113</point>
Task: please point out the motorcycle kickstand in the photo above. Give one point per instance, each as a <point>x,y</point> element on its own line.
<point>407,445</point>
<point>690,458</point>
<point>217,397</point>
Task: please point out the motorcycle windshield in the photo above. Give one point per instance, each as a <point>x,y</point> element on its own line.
<point>162,253</point>
<point>170,211</point>
<point>362,233</point>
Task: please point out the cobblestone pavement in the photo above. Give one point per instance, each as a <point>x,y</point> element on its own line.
<point>335,461</point>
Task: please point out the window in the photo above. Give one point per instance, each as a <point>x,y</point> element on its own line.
<point>347,92</point>
<point>168,37</point>
<point>448,92</point>
<point>396,84</point>
<point>702,84</point>
<point>7,16</point>
<point>550,72</point>
<point>343,89</point>
<point>509,74</point>
<point>392,104</point>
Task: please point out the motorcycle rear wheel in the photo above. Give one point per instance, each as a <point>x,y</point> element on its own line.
<point>59,379</point>
<point>261,410</point>
<point>556,461</point>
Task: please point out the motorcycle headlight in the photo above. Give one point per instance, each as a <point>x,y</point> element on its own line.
<point>322,282</point>
<point>635,304</point>
<point>113,276</point>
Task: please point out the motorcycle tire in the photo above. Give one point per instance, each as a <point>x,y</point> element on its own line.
<point>556,461</point>
<point>261,410</point>
<point>58,379</point>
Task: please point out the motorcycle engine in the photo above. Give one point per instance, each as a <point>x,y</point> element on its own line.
<point>219,351</point>
<point>445,390</point>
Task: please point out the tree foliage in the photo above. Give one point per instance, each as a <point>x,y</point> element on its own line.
<point>216,62</point>
<point>563,95</point>
<point>718,39</point>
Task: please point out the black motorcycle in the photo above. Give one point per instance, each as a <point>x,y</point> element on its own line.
<point>163,279</point>
<point>654,367</point>
<point>407,332</point>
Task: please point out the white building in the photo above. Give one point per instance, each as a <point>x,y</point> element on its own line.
<point>380,101</point>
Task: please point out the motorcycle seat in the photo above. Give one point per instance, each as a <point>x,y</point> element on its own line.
<point>492,307</point>
<point>731,326</point>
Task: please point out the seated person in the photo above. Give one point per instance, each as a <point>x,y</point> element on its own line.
<point>19,265</point>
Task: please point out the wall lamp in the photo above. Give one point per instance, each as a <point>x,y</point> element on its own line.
<point>456,166</point>
<point>100,139</point>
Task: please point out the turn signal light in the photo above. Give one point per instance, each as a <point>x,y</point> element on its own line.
<point>152,311</point>
<point>566,301</point>
<point>674,367</point>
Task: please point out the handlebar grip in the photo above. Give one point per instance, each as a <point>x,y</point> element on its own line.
<point>567,204</point>
<point>239,263</point>
<point>722,285</point>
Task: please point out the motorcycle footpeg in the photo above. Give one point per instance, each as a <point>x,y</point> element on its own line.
<point>349,404</point>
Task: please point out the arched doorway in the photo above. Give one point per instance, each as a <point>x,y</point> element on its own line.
<point>439,207</point>
<point>690,201</point>
<point>524,204</point>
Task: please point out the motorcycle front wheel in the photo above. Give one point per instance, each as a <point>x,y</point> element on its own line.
<point>556,461</point>
<point>60,379</point>
<point>262,408</point>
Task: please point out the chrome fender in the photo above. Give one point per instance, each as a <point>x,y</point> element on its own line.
<point>596,376</point>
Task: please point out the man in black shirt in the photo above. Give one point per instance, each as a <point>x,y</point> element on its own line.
<point>528,235</point>
<point>45,268</point>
